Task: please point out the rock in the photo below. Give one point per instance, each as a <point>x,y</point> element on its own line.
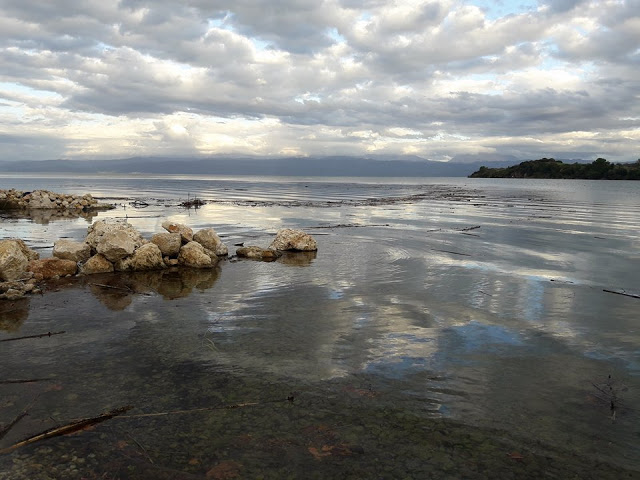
<point>258,253</point>
<point>30,254</point>
<point>169,243</point>
<point>13,262</point>
<point>96,264</point>
<point>171,262</point>
<point>72,250</point>
<point>147,257</point>
<point>193,255</point>
<point>41,199</point>
<point>52,267</point>
<point>210,240</point>
<point>99,229</point>
<point>288,239</point>
<point>185,232</point>
<point>115,245</point>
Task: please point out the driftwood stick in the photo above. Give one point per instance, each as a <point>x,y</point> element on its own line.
<point>48,334</point>
<point>194,410</point>
<point>27,380</point>
<point>4,430</point>
<point>449,251</point>
<point>622,292</point>
<point>67,429</point>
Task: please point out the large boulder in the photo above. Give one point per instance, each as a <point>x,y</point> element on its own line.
<point>99,229</point>
<point>30,254</point>
<point>96,264</point>
<point>72,250</point>
<point>257,253</point>
<point>13,262</point>
<point>147,257</point>
<point>116,245</point>
<point>185,232</point>
<point>52,268</point>
<point>288,239</point>
<point>194,255</point>
<point>169,243</point>
<point>210,240</point>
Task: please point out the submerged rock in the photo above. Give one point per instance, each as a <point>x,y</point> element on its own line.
<point>258,253</point>
<point>289,239</point>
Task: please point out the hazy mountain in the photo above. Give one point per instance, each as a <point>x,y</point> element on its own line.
<point>380,166</point>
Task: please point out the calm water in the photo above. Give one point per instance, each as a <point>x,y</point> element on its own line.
<point>446,328</point>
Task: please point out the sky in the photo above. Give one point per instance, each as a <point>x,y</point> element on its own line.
<point>441,79</point>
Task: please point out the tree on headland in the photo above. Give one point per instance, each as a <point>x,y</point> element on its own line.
<point>599,169</point>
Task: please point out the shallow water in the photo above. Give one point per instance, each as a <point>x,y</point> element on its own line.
<point>445,328</point>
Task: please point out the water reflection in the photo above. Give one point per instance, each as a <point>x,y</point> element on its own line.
<point>46,216</point>
<point>13,314</point>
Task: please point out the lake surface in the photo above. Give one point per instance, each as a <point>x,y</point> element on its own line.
<point>446,328</point>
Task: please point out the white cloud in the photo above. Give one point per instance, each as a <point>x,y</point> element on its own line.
<point>436,78</point>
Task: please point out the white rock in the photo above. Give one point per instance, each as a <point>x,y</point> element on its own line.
<point>72,250</point>
<point>288,239</point>
<point>115,245</point>
<point>147,257</point>
<point>210,240</point>
<point>193,255</point>
<point>96,231</point>
<point>169,243</point>
<point>185,232</point>
<point>13,262</point>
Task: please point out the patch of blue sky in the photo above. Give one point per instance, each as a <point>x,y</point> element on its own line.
<point>476,336</point>
<point>497,9</point>
<point>334,35</point>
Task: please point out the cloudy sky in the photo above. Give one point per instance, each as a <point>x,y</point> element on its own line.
<point>435,78</point>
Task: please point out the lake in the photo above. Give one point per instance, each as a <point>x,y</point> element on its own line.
<point>446,328</point>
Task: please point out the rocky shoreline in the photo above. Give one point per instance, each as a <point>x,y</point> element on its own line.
<point>46,200</point>
<point>114,245</point>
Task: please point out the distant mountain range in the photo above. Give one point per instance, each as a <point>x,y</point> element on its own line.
<point>344,166</point>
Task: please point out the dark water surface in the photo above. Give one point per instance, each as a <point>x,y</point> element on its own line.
<point>446,328</point>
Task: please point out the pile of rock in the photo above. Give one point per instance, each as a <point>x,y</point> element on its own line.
<point>46,200</point>
<point>115,245</point>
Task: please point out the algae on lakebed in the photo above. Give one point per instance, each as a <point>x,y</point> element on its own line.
<point>325,430</point>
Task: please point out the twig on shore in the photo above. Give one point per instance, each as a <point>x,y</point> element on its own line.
<point>28,380</point>
<point>622,292</point>
<point>48,334</point>
<point>67,429</point>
